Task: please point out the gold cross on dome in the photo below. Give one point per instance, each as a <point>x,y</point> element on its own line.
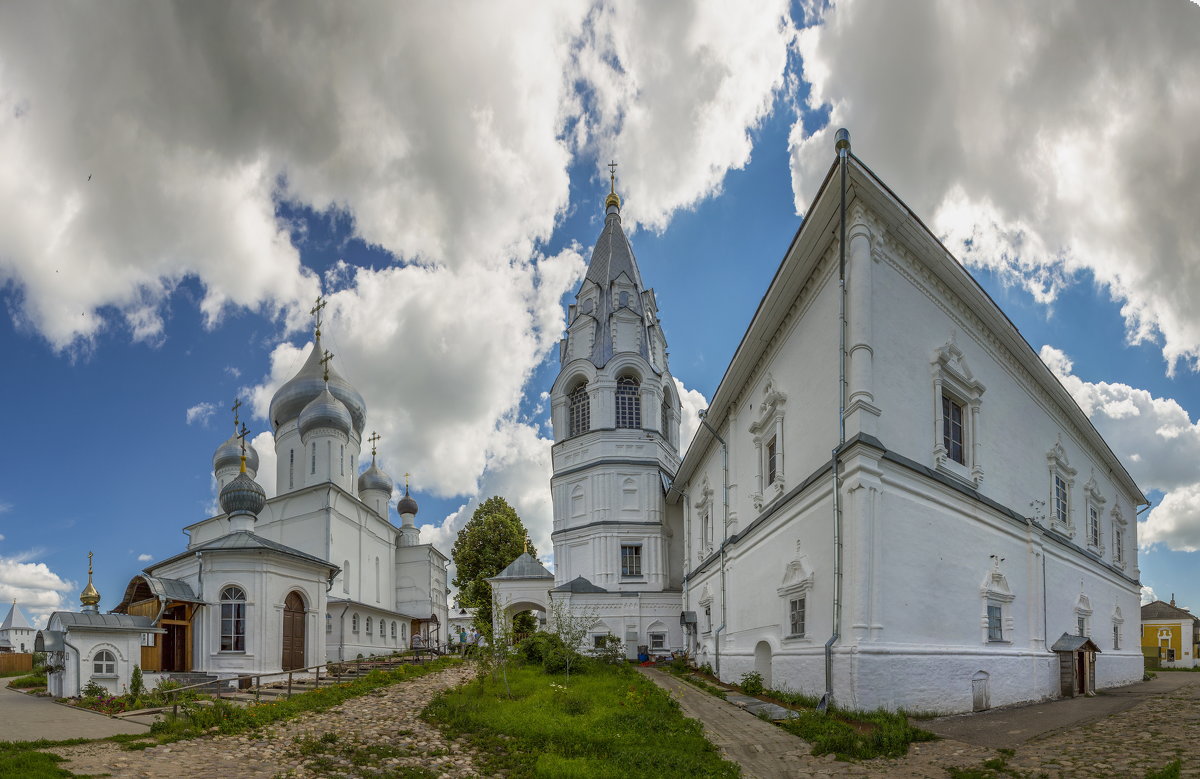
<point>325,363</point>
<point>406,484</point>
<point>372,439</point>
<point>316,312</point>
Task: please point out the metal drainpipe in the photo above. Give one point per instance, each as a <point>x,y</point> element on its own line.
<point>843,151</point>
<point>724,527</point>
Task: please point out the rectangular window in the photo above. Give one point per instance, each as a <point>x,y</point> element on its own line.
<point>1061,496</point>
<point>631,559</point>
<point>995,627</point>
<point>314,457</point>
<point>1116,636</point>
<point>708,619</point>
<point>291,468</point>
<point>952,429</point>
<point>1171,655</point>
<point>598,641</point>
<point>1093,526</point>
<point>1118,539</point>
<point>658,641</point>
<point>1081,623</point>
<point>771,460</point>
<point>796,609</point>
<point>233,627</point>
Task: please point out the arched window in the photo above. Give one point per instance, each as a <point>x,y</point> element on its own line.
<point>354,623</point>
<point>664,417</point>
<point>393,630</point>
<point>104,663</point>
<point>233,619</point>
<point>368,626</point>
<point>328,622</point>
<point>629,405</point>
<point>579,409</point>
<point>404,631</point>
<point>345,576</point>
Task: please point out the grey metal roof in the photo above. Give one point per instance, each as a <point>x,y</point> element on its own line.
<point>374,478</point>
<point>579,584</point>
<point>525,566</point>
<point>1069,643</point>
<point>49,641</point>
<point>15,619</point>
<point>79,621</point>
<point>5,642</point>
<point>229,454</point>
<point>1160,610</point>
<point>241,540</point>
<point>307,384</point>
<point>161,588</point>
<point>613,257</point>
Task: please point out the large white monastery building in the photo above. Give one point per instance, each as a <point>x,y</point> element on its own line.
<point>891,500</point>
<point>314,573</point>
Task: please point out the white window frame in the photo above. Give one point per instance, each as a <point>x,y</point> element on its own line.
<point>236,609</point>
<point>1062,517</point>
<point>658,642</point>
<point>1094,503</point>
<point>579,410</point>
<point>627,404</point>
<point>768,427</point>
<point>1119,525</point>
<point>1083,615</point>
<point>995,592</point>
<point>368,630</point>
<point>704,510</point>
<point>802,600</point>
<point>641,570</point>
<point>953,379</point>
<point>104,663</point>
<point>1117,621</point>
<point>354,622</point>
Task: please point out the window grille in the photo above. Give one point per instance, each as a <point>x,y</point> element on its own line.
<point>631,560</point>
<point>1061,500</point>
<point>629,405</point>
<point>1118,539</point>
<point>233,619</point>
<point>952,429</point>
<point>771,461</point>
<point>1093,526</point>
<point>796,616</point>
<point>580,410</point>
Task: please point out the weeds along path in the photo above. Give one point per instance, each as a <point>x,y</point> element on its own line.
<point>379,731</point>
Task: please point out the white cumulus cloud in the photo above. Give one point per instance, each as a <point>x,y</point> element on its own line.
<point>37,590</point>
<point>1158,442</point>
<point>145,558</point>
<point>1038,141</point>
<point>201,412</point>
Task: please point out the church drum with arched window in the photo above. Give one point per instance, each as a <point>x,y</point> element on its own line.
<point>293,632</point>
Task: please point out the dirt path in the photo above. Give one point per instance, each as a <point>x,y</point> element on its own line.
<point>380,731</point>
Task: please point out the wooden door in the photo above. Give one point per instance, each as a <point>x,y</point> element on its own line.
<point>1081,682</point>
<point>174,648</point>
<point>293,632</point>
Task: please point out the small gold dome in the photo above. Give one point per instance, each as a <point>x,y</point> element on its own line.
<point>89,596</point>
<point>613,199</point>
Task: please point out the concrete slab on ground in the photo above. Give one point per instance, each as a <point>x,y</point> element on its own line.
<point>29,718</point>
<point>1015,725</point>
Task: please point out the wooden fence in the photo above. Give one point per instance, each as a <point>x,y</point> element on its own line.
<point>16,661</point>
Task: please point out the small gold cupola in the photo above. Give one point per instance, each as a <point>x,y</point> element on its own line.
<point>90,597</point>
<point>613,200</point>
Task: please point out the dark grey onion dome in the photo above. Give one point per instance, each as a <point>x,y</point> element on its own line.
<point>307,384</point>
<point>243,495</point>
<point>325,411</point>
<point>374,478</point>
<point>406,505</point>
<point>230,454</point>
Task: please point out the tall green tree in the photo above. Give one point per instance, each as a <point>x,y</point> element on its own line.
<point>491,539</point>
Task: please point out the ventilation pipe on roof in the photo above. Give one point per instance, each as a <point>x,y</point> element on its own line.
<point>843,151</point>
<point>724,529</point>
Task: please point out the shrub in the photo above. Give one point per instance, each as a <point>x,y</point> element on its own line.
<point>559,660</point>
<point>611,651</point>
<point>93,690</point>
<point>706,669</point>
<point>136,686</point>
<point>39,661</point>
<point>536,648</point>
<point>752,683</point>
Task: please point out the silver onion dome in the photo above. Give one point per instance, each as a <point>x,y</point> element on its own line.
<point>374,478</point>
<point>325,410</point>
<point>229,454</point>
<point>307,384</point>
<point>243,495</point>
<point>406,505</point>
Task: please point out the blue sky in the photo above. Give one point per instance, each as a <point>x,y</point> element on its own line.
<point>446,193</point>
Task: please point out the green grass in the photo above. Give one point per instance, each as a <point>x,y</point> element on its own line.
<point>196,719</point>
<point>6,674</point>
<point>28,681</point>
<point>1169,771</point>
<point>22,760</point>
<point>856,735</point>
<point>328,754</point>
<point>607,722</point>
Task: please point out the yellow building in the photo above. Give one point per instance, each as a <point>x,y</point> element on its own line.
<point>1173,632</point>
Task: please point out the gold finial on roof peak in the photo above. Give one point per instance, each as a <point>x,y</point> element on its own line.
<point>613,198</point>
<point>90,595</point>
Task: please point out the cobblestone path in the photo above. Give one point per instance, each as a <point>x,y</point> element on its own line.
<point>1146,736</point>
<point>385,721</point>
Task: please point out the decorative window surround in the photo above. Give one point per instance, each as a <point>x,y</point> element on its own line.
<point>704,507</point>
<point>797,581</point>
<point>705,602</point>
<point>995,592</point>
<point>1083,613</point>
<point>952,378</point>
<point>1118,534</point>
<point>767,428</point>
<point>1095,511</point>
<point>1117,620</point>
<point>1062,519</point>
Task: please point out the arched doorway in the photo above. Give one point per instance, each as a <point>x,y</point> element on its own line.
<point>762,662</point>
<point>293,631</point>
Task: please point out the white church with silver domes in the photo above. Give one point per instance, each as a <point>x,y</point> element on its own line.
<point>312,574</point>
